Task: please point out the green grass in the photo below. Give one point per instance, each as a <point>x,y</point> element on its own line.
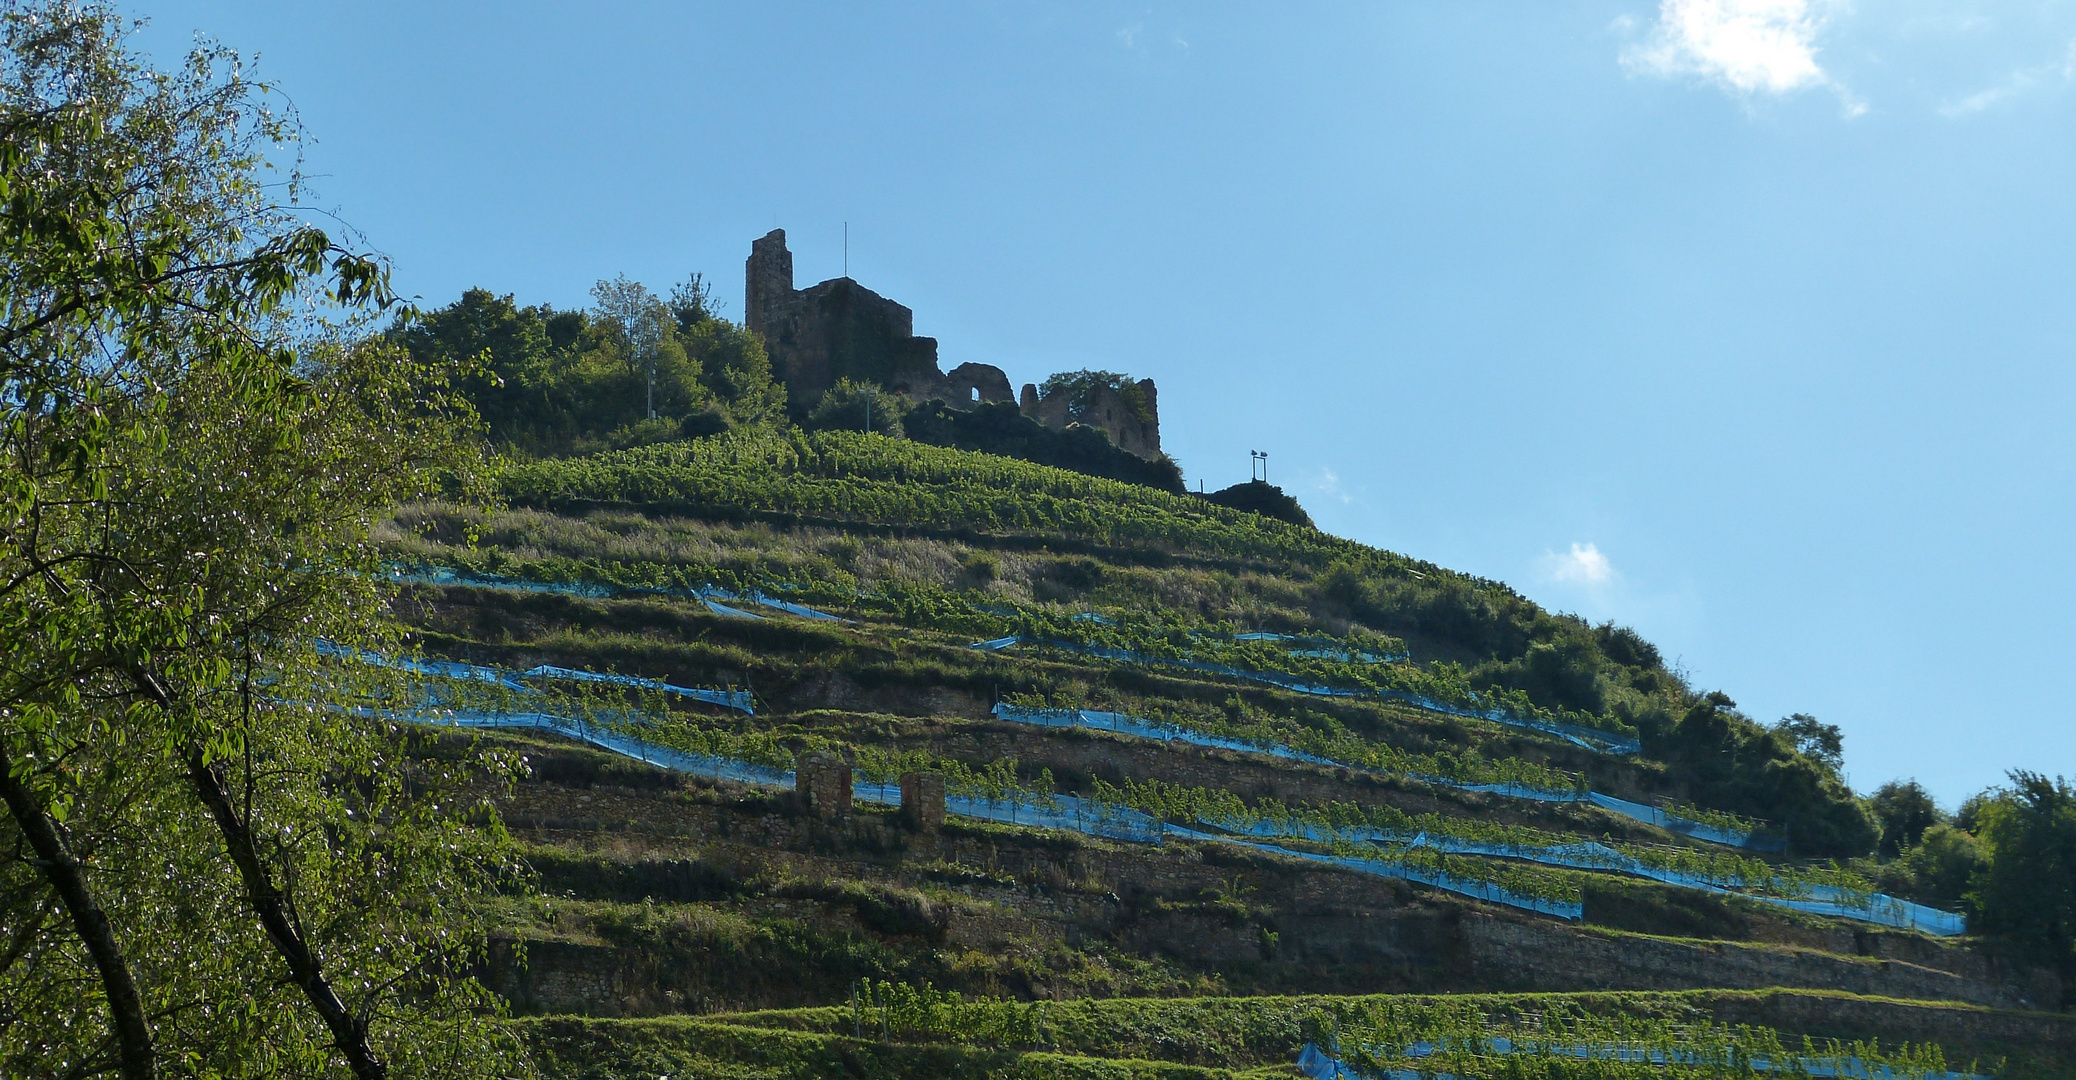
<point>1228,1036</point>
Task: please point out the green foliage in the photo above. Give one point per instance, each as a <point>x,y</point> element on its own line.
<point>2028,891</point>
<point>1734,764</point>
<point>1261,497</point>
<point>558,382</point>
<point>860,407</point>
<point>1904,810</point>
<point>1319,733</point>
<point>196,441</point>
<point>901,1011</point>
<point>1937,870</point>
<point>1079,386</point>
<point>1001,428</point>
<point>843,476</point>
<point>1812,738</point>
<point>1192,806</point>
<point>1561,1043</point>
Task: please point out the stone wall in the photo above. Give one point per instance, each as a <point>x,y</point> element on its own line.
<point>840,329</point>
<point>826,785</point>
<point>922,799</point>
<point>1105,410</point>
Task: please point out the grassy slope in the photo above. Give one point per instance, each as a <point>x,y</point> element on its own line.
<point>663,894</point>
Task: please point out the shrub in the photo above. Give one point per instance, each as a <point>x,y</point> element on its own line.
<point>2027,893</point>
<point>856,406</point>
<point>1903,810</point>
<point>1259,497</point>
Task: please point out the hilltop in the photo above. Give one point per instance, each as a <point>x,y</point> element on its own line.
<point>1530,803</point>
<point>502,691</point>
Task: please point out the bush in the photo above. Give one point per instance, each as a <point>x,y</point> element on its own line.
<point>1259,497</point>
<point>1938,869</point>
<point>1904,810</point>
<point>1736,765</point>
<point>1627,647</point>
<point>2027,893</point>
<point>856,406</point>
<point>707,422</point>
<point>1001,428</point>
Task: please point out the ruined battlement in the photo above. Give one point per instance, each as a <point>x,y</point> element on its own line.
<point>840,329</point>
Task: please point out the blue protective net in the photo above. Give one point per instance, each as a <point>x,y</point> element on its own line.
<point>1869,907</point>
<point>708,593</point>
<point>1603,742</point>
<point>1317,1064</point>
<point>1121,724</point>
<point>734,699</point>
<point>1049,812</point>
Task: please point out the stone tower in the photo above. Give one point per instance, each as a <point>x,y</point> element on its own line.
<point>840,329</point>
<point>769,284</point>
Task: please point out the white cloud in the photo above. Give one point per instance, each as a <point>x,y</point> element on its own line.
<point>1584,566</point>
<point>1329,484</point>
<point>2017,84</point>
<point>1752,46</point>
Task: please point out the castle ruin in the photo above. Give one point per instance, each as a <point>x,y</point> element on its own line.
<point>840,329</point>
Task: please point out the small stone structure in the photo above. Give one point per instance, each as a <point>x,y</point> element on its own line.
<point>840,329</point>
<point>922,799</point>
<point>826,785</point>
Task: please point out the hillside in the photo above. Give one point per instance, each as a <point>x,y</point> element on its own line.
<point>1213,782</point>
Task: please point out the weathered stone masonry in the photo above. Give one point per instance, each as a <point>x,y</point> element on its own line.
<point>840,329</point>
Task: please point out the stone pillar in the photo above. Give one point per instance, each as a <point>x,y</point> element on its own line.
<point>1028,400</point>
<point>922,799</point>
<point>1151,430</point>
<point>826,785</point>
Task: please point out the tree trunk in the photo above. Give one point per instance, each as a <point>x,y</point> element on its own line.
<point>349,1032</point>
<point>125,1005</point>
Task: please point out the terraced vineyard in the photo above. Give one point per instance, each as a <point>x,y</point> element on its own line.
<point>1225,797</point>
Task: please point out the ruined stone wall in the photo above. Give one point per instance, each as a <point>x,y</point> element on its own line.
<point>825,783</point>
<point>840,329</point>
<point>922,799</point>
<point>1105,410</point>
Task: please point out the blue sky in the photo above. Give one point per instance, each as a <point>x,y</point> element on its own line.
<point>1744,322</point>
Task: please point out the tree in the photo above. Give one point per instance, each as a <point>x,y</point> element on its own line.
<point>855,406</point>
<point>643,325</point>
<point>1812,738</point>
<point>1904,810</point>
<point>2027,894</point>
<point>1730,762</point>
<point>218,863</point>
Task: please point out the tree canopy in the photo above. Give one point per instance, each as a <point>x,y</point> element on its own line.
<point>211,861</point>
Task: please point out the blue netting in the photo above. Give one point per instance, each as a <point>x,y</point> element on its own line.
<point>1054,812</point>
<point>452,669</point>
<point>791,608</point>
<point>723,609</point>
<point>608,738</point>
<point>449,669</point>
<point>1604,742</point>
<point>1132,725</point>
<point>1877,908</point>
<point>1399,870</point>
<point>734,699</point>
<point>708,593</point>
<point>1317,1064</point>
<point>1324,648</point>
